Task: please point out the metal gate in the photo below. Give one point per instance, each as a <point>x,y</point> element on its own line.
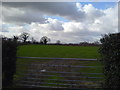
<point>58,73</point>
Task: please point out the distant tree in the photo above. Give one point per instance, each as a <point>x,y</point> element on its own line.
<point>58,42</point>
<point>84,43</point>
<point>24,36</point>
<point>15,38</point>
<point>33,40</point>
<point>44,40</point>
<point>4,38</point>
<point>96,42</point>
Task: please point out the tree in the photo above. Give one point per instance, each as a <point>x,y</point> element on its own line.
<point>33,40</point>
<point>44,40</point>
<point>24,36</point>
<point>58,42</point>
<point>84,43</point>
<point>15,38</point>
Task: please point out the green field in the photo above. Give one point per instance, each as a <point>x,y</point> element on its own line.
<point>58,51</point>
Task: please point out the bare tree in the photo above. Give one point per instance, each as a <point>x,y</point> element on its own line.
<point>33,40</point>
<point>44,40</point>
<point>24,36</point>
<point>15,38</point>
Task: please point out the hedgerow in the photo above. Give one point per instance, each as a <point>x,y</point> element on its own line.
<point>110,57</point>
<point>9,49</point>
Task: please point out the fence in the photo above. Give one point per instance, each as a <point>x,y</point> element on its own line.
<point>58,73</point>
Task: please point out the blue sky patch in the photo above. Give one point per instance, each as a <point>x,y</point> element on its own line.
<point>57,17</point>
<point>100,5</point>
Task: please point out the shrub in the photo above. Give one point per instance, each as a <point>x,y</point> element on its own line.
<point>9,48</point>
<point>110,54</point>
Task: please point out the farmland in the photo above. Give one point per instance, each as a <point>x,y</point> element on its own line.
<point>58,51</point>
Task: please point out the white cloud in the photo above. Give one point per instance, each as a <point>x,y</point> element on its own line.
<point>79,6</point>
<point>109,22</point>
<point>92,13</point>
<point>9,31</point>
<point>73,26</point>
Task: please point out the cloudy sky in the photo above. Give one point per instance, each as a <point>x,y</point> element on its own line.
<point>65,21</point>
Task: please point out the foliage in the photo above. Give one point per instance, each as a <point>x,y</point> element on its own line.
<point>15,38</point>
<point>33,40</point>
<point>9,48</point>
<point>44,40</point>
<point>24,36</point>
<point>110,54</point>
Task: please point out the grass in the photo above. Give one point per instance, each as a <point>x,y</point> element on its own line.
<point>58,51</point>
<point>88,52</point>
<point>53,77</point>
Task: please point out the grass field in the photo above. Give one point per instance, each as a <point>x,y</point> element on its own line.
<point>88,52</point>
<point>58,51</point>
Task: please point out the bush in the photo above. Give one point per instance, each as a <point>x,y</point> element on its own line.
<point>110,54</point>
<point>9,48</point>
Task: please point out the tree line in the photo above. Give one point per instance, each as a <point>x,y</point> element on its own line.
<point>24,38</point>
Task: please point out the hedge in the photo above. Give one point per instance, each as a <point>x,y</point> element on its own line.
<point>110,57</point>
<point>9,49</point>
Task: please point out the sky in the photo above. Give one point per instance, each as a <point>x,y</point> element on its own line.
<point>69,22</point>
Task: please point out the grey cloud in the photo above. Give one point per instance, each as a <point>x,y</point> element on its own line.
<point>55,27</point>
<point>23,19</point>
<point>26,17</point>
<point>67,10</point>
